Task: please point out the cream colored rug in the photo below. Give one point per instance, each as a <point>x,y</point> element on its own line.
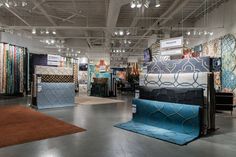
<point>90,100</point>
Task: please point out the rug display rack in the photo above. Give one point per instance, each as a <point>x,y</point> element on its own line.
<point>175,93</point>
<point>13,70</point>
<point>28,125</point>
<point>53,87</point>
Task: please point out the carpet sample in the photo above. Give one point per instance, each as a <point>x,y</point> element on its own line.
<point>171,122</point>
<point>20,125</point>
<point>90,100</point>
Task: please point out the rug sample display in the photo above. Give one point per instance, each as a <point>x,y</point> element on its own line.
<point>200,64</point>
<point>172,122</point>
<point>20,125</point>
<point>212,48</point>
<point>229,63</point>
<point>57,78</point>
<point>52,95</point>
<point>46,70</point>
<point>90,100</point>
<point>12,65</point>
<point>180,80</point>
<point>191,96</point>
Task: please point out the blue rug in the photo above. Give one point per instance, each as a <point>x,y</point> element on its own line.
<point>175,123</point>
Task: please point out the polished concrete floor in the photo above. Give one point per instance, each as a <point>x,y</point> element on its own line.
<point>103,140</point>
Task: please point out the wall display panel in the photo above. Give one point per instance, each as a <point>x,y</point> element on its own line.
<point>13,69</point>
<point>201,64</point>
<point>212,48</point>
<point>229,63</point>
<point>46,70</point>
<point>1,67</point>
<point>52,95</point>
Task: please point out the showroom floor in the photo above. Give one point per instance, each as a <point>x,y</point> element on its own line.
<point>103,140</point>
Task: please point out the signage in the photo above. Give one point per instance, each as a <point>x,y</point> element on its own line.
<point>173,52</point>
<point>54,60</point>
<point>171,43</point>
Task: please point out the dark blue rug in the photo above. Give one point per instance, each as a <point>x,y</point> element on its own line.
<point>175,123</point>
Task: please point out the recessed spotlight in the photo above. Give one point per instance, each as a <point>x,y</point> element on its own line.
<point>47,32</point>
<point>188,33</point>
<point>54,32</point>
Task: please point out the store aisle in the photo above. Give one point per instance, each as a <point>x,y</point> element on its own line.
<point>103,140</point>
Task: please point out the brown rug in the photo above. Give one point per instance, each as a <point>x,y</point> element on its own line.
<point>19,125</point>
<point>90,100</point>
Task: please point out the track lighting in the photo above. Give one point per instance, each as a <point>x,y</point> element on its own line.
<point>157,3</point>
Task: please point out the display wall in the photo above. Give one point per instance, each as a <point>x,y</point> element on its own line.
<point>13,69</point>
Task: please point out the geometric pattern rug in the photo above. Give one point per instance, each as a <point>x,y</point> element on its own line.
<point>171,122</point>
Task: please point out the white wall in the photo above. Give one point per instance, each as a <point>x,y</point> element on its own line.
<point>222,16</point>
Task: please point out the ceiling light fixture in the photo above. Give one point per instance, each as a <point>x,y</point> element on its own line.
<point>188,33</point>
<point>6,4</point>
<point>47,32</point>
<point>121,33</point>
<point>54,32</point>
<point>132,4</point>
<point>138,4</point>
<point>158,4</point>
<point>33,31</point>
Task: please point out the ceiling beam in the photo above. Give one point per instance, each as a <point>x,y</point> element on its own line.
<point>112,16</point>
<point>52,16</point>
<point>108,28</point>
<point>176,6</point>
<point>17,15</point>
<point>37,4</point>
<point>60,9</point>
<point>40,3</point>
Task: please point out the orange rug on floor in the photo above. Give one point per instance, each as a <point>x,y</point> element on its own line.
<point>19,125</point>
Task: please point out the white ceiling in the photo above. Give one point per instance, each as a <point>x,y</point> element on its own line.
<point>85,24</point>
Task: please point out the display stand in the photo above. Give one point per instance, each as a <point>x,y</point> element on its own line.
<point>53,87</point>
